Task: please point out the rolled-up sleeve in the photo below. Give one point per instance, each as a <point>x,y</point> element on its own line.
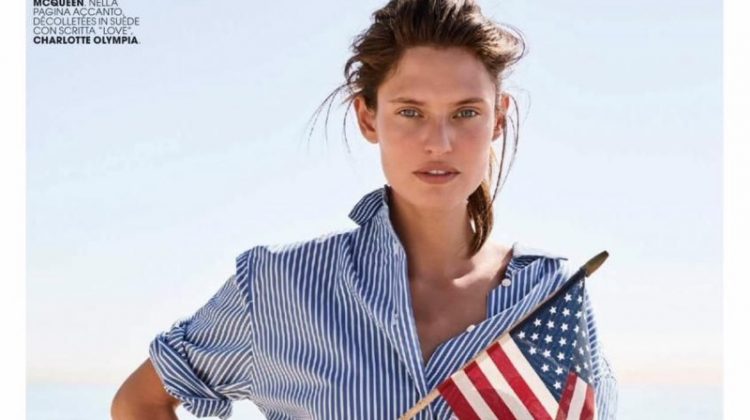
<point>605,383</point>
<point>206,359</point>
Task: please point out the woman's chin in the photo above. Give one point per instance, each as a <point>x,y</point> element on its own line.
<point>436,199</point>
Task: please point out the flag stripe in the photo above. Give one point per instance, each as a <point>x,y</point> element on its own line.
<point>456,400</point>
<point>548,401</point>
<point>487,391</point>
<point>520,382</point>
<point>472,396</point>
<point>503,388</point>
<point>589,409</point>
<point>576,403</point>
<point>570,384</point>
<point>520,388</point>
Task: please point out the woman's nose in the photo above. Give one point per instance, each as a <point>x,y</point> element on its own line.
<point>439,138</point>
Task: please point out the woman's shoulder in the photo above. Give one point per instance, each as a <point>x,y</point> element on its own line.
<point>525,254</point>
<point>291,263</point>
<point>522,249</point>
<point>331,242</point>
<point>540,265</point>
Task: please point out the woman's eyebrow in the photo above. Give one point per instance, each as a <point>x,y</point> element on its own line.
<point>410,101</point>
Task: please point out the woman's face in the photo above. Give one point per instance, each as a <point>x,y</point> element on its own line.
<point>436,111</point>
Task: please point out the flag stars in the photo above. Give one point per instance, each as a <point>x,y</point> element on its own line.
<point>555,341</point>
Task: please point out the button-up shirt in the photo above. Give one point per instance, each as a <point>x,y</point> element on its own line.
<point>325,329</point>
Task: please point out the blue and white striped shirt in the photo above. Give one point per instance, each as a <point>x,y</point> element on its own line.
<point>325,329</point>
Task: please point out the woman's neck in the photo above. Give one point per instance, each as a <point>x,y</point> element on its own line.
<point>437,241</point>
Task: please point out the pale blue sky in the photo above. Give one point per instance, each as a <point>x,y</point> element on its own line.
<point>151,167</point>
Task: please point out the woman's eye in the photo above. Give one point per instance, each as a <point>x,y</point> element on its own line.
<point>408,113</point>
<point>463,113</point>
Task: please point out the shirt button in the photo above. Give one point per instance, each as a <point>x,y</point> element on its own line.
<point>505,282</point>
<point>470,328</point>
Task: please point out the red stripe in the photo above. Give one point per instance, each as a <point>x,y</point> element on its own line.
<point>516,382</point>
<point>456,400</point>
<point>588,404</point>
<point>488,393</point>
<point>570,386</point>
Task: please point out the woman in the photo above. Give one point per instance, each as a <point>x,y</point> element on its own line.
<point>363,323</point>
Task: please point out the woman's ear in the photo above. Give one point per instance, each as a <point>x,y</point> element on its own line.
<point>500,114</point>
<point>365,119</point>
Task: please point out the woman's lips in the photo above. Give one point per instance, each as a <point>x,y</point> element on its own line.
<point>436,179</point>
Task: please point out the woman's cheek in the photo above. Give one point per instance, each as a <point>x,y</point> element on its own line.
<point>478,129</point>
<point>401,140</point>
<point>404,130</point>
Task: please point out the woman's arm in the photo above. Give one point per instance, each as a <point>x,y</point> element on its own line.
<point>142,396</point>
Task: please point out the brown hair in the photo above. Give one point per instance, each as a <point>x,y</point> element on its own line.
<point>401,24</point>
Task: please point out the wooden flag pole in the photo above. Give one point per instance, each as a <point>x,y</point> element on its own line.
<point>586,270</point>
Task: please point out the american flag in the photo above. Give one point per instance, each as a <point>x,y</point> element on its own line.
<point>540,369</point>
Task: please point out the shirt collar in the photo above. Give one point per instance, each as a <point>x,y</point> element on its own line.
<point>368,206</point>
